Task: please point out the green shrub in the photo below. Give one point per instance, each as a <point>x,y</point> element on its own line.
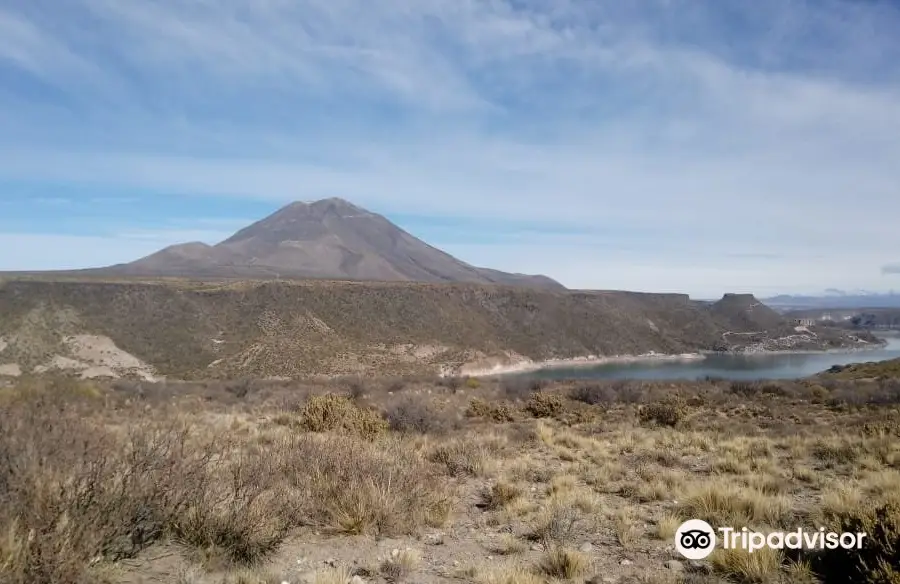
<point>335,413</point>
<point>666,413</point>
<point>878,562</point>
<point>544,405</point>
<point>479,408</point>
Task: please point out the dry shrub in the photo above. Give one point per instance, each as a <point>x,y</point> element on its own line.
<point>241,519</point>
<point>556,525</point>
<point>74,492</point>
<point>744,388</point>
<point>478,408</point>
<point>593,394</point>
<point>417,416</point>
<point>451,382</point>
<point>335,413</point>
<point>518,387</point>
<point>835,451</point>
<point>544,405</point>
<point>460,457</point>
<point>882,428</point>
<point>878,562</point>
<point>352,486</point>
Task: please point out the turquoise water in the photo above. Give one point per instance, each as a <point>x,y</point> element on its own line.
<point>766,366</point>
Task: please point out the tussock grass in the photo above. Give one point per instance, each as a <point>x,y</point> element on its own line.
<point>501,494</point>
<point>357,487</point>
<point>401,567</point>
<point>332,576</point>
<point>722,502</point>
<point>761,567</point>
<point>560,562</point>
<point>508,544</point>
<point>460,457</point>
<point>556,525</point>
<point>507,574</point>
<point>667,526</point>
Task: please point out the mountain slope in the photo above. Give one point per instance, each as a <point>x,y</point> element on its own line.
<point>296,328</point>
<point>327,239</point>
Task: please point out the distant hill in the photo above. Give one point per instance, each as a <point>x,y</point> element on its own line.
<point>327,239</point>
<point>834,301</point>
<point>745,312</point>
<point>104,326</point>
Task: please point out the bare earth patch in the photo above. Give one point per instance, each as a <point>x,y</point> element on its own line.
<point>10,370</point>
<point>95,356</point>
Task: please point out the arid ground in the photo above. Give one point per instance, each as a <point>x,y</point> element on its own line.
<point>421,480</point>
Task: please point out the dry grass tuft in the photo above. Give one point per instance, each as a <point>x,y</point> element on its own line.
<point>556,525</point>
<point>500,495</point>
<point>560,562</point>
<point>332,576</point>
<point>460,457</point>
<point>400,567</point>
<point>508,544</point>
<point>508,574</point>
<point>355,487</point>
<point>761,567</point>
<point>721,502</point>
<point>667,526</point>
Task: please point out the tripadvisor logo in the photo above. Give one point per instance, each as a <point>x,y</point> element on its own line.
<point>696,539</point>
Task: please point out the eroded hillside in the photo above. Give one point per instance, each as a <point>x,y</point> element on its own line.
<point>190,330</point>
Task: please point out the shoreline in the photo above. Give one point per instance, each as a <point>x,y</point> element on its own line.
<point>529,366</point>
<point>575,362</point>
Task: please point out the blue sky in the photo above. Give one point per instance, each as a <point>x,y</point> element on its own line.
<point>661,145</point>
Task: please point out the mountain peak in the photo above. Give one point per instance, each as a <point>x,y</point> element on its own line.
<point>329,238</point>
<point>318,209</point>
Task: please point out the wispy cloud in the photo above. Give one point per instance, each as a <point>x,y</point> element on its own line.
<point>890,269</point>
<point>749,137</point>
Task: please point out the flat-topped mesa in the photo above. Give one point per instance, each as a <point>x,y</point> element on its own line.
<point>744,311</point>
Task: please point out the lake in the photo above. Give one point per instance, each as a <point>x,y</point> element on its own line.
<point>763,366</point>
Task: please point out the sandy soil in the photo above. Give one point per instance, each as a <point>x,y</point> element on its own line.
<point>10,370</point>
<point>524,365</point>
<point>95,356</point>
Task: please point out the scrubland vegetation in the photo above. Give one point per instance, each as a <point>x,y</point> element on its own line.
<point>420,480</point>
